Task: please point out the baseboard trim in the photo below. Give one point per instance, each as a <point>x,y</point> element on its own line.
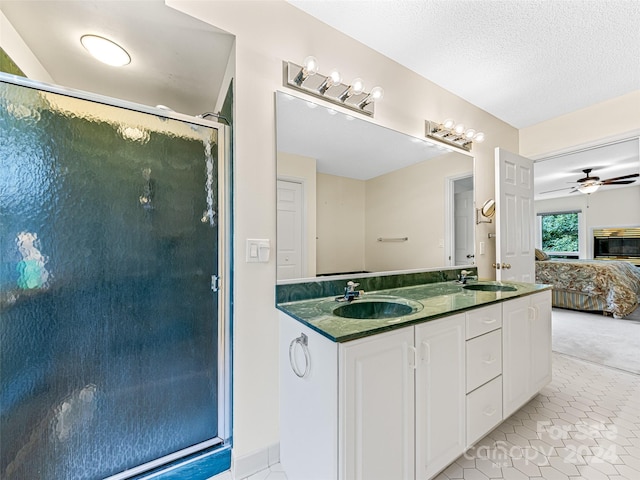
<point>252,463</point>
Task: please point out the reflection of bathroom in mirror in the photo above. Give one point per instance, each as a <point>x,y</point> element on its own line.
<point>355,197</point>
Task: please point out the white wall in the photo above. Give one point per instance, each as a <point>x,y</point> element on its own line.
<point>341,220</point>
<point>618,207</point>
<point>612,119</point>
<point>410,202</point>
<point>266,34</point>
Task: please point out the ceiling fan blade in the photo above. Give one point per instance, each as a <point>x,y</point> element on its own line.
<point>623,182</point>
<point>556,190</point>
<point>633,175</point>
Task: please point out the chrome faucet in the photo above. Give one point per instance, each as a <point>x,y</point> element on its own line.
<point>350,292</point>
<point>464,275</point>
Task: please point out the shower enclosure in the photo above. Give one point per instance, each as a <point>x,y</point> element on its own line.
<point>114,353</point>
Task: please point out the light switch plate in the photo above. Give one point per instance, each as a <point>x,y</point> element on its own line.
<point>258,250</point>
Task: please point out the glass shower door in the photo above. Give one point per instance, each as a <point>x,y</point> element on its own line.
<point>109,326</point>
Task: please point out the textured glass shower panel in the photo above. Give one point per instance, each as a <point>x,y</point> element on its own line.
<point>108,328</point>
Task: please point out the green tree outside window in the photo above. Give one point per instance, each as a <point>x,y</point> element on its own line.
<point>560,232</point>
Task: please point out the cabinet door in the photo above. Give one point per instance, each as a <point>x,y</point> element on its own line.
<point>516,354</point>
<point>440,394</point>
<point>541,340</point>
<point>376,420</point>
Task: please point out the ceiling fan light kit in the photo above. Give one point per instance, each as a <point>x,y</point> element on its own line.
<point>590,184</point>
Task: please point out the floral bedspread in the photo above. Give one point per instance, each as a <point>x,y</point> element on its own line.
<point>615,283</point>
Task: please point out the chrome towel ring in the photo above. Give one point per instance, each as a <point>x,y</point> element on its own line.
<point>303,341</point>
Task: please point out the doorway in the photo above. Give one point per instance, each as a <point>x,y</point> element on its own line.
<point>462,229</point>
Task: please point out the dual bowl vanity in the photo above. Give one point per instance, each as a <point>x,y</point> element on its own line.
<point>399,382</point>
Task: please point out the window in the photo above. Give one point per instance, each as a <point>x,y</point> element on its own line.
<point>560,234</point>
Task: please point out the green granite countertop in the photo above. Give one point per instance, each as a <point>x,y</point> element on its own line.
<point>428,302</point>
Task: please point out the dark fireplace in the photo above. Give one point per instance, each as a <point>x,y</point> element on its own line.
<point>617,244</point>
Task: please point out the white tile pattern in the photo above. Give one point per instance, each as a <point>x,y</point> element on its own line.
<point>584,425</point>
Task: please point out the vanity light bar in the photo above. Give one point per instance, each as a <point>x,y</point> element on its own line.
<point>453,134</point>
<point>305,78</point>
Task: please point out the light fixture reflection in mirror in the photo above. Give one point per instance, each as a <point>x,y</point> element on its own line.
<point>344,182</point>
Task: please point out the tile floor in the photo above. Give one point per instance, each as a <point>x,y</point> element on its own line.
<point>584,425</point>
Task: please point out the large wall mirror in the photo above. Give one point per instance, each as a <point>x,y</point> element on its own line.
<point>355,197</point>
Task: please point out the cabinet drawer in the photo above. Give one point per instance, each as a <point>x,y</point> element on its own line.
<point>484,359</point>
<point>483,320</point>
<point>484,410</point>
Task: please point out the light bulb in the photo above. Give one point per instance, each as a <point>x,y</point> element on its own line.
<point>105,50</point>
<point>459,128</point>
<point>357,86</point>
<point>310,66</point>
<point>335,77</point>
<point>479,137</point>
<point>469,133</point>
<point>588,188</point>
<point>376,94</point>
<point>448,123</point>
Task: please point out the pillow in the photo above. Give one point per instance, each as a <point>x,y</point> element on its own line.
<point>540,255</point>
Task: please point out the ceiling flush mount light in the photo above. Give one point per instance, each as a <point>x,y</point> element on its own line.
<point>305,78</point>
<point>453,133</point>
<point>105,50</point>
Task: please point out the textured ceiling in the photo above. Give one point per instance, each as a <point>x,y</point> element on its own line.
<point>524,61</point>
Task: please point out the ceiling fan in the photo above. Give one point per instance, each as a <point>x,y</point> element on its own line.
<point>590,184</point>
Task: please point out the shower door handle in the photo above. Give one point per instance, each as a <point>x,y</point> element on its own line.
<point>215,283</point>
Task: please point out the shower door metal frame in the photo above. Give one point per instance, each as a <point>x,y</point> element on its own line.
<point>224,288</point>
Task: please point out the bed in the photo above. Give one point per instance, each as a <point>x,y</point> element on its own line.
<point>593,285</point>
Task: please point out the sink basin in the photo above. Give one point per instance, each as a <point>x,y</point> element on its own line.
<point>375,309</point>
<point>489,287</point>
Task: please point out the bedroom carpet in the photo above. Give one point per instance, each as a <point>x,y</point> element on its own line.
<point>599,339</point>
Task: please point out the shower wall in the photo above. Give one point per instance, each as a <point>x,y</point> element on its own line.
<point>108,323</point>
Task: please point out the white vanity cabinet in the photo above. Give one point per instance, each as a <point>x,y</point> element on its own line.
<point>440,394</point>
<point>483,371</point>
<point>398,397</point>
<point>376,407</point>
<point>406,403</point>
<point>526,342</point>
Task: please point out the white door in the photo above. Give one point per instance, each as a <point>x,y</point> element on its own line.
<point>377,407</point>
<point>289,231</point>
<point>440,394</point>
<point>463,228</point>
<point>514,217</point>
